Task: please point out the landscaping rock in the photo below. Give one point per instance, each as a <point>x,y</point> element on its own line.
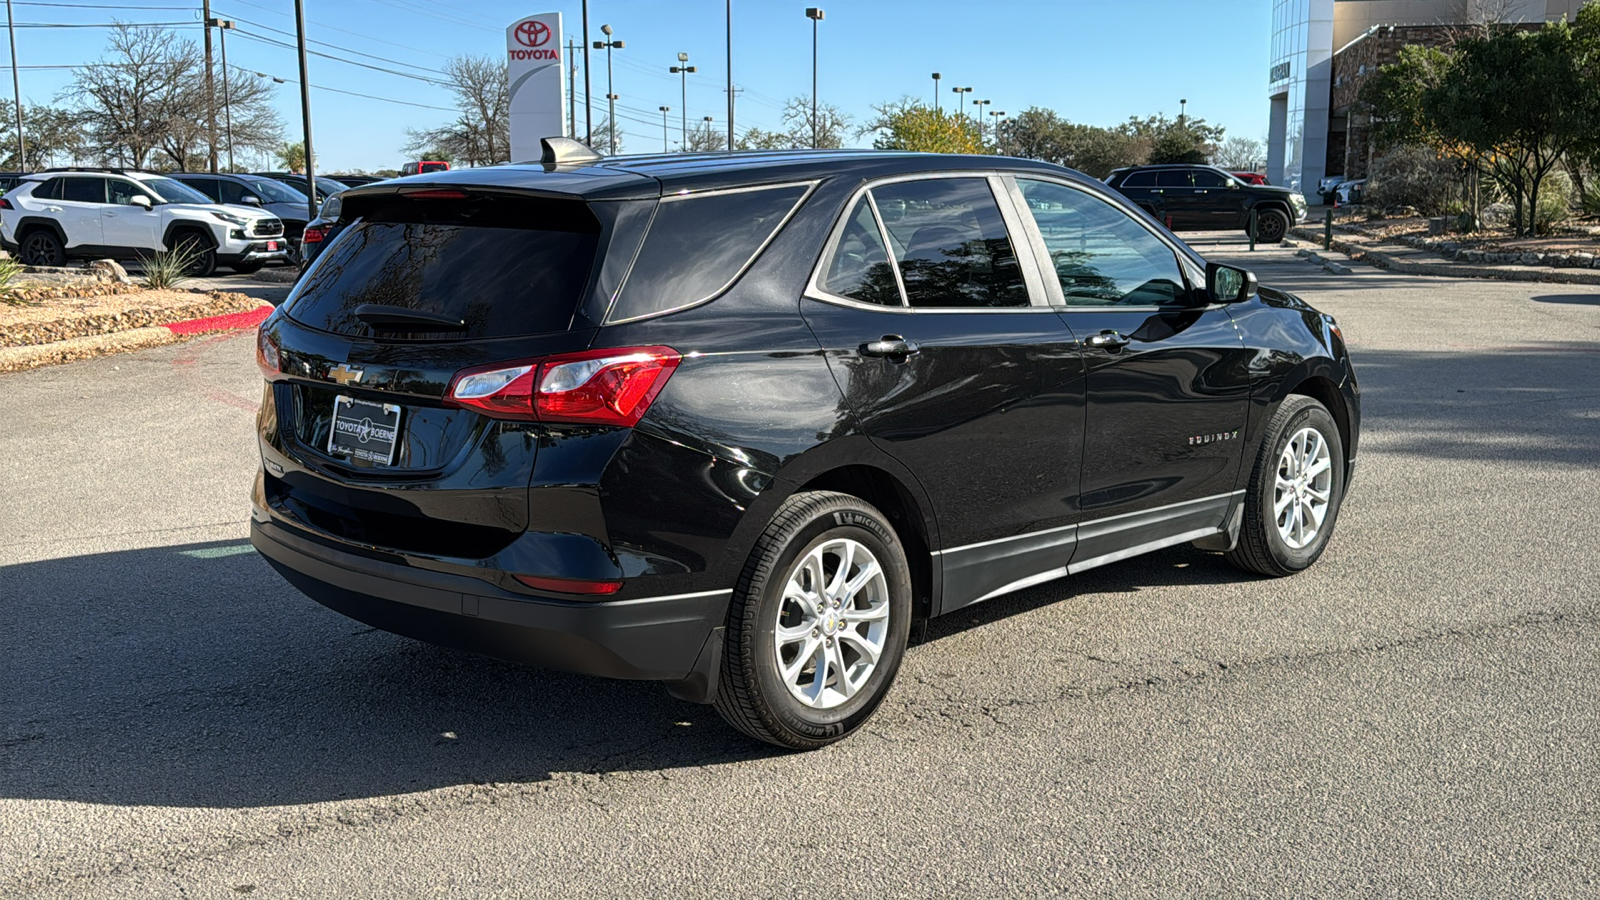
<point>1497,215</point>
<point>109,270</point>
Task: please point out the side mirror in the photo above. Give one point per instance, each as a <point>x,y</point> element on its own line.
<point>1233,185</point>
<point>140,201</point>
<point>250,200</point>
<point>1227,284</point>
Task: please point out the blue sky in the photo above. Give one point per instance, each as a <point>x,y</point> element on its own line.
<point>1090,60</point>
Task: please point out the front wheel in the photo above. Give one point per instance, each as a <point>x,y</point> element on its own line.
<point>818,623</point>
<point>1295,491</point>
<point>1271,225</point>
<point>201,255</point>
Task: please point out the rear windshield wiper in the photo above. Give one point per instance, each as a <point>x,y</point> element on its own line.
<point>379,316</point>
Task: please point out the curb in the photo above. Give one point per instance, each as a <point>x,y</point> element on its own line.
<point>84,346</point>
<point>1382,260</point>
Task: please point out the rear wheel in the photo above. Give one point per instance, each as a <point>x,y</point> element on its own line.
<point>818,623</point>
<point>1271,225</point>
<point>203,257</point>
<point>1295,491</point>
<point>42,248</point>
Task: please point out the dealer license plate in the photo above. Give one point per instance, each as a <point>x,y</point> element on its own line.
<point>272,245</point>
<point>364,430</point>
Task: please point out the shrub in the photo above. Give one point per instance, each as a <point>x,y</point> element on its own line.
<point>169,268</point>
<point>9,270</point>
<point>1556,195</point>
<point>1412,176</point>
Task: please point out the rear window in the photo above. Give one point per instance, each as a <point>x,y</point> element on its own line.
<point>697,245</point>
<point>476,259</point>
<point>1145,178</point>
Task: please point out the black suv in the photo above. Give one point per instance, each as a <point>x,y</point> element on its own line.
<point>736,422</point>
<point>1195,198</point>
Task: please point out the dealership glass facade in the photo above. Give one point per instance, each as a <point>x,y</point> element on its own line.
<point>1302,54</point>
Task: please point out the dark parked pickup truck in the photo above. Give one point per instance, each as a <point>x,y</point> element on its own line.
<point>1196,198</point>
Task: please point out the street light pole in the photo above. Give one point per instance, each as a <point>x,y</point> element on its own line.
<point>977,114</point>
<point>936,92</point>
<point>958,91</point>
<point>223,26</point>
<point>16,88</point>
<point>305,105</point>
<point>664,111</point>
<point>814,13</point>
<point>730,75</point>
<point>682,72</point>
<point>588,94</point>
<point>611,98</point>
<point>1182,104</point>
<point>211,89</point>
<point>1001,114</point>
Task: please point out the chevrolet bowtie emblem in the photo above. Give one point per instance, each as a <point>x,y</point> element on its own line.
<point>344,374</point>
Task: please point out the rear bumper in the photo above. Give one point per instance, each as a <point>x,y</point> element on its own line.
<point>672,638</point>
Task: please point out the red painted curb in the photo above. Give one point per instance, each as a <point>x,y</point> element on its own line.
<point>230,322</point>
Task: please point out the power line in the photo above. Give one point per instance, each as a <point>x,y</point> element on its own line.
<point>341,30</point>
<point>349,62</point>
<point>99,6</point>
<point>338,47</point>
<point>99,24</point>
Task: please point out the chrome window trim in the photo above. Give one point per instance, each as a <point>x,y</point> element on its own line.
<point>810,188</point>
<point>815,291</point>
<point>1186,266</point>
<point>1054,296</point>
<point>888,250</point>
<point>1021,244</point>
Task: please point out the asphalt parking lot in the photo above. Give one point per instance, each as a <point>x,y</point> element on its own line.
<point>1416,716</point>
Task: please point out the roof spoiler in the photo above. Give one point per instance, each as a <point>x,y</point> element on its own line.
<point>561,151</point>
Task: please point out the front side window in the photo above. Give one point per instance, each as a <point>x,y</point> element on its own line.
<point>84,190</point>
<point>123,192</point>
<point>1173,178</point>
<point>951,243</point>
<point>1205,178</point>
<point>1100,254</point>
<point>698,244</point>
<point>858,267</point>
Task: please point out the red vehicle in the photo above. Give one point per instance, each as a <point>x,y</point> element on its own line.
<point>418,168</point>
<point>1250,177</point>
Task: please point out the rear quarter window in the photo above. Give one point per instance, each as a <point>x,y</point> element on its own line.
<point>697,245</point>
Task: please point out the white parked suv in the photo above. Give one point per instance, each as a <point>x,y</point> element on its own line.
<point>61,214</point>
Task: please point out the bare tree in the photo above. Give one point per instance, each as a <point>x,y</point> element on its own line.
<point>481,132</point>
<point>1241,153</point>
<point>147,95</point>
<point>703,138</point>
<point>832,124</point>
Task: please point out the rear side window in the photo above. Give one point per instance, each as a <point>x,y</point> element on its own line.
<point>1173,178</point>
<point>858,267</point>
<point>1143,179</point>
<point>505,266</point>
<point>50,190</point>
<point>84,190</point>
<point>698,244</point>
<point>951,243</point>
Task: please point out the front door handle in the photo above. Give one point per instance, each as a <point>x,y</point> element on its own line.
<point>892,347</point>
<point>1109,341</point>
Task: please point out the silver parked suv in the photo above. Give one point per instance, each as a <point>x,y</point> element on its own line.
<point>61,214</point>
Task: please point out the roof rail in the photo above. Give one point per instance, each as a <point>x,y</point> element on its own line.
<point>114,170</point>
<point>560,151</point>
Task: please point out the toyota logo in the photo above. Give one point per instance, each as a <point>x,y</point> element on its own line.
<point>532,34</point>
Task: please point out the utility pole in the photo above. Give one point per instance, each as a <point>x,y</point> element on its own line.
<point>588,101</point>
<point>16,88</point>
<point>730,75</point>
<point>222,26</point>
<point>572,89</point>
<point>305,105</point>
<point>936,92</point>
<point>814,13</point>
<point>664,111</point>
<point>611,98</point>
<point>211,88</point>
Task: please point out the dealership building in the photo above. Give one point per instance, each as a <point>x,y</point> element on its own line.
<point>1323,50</point>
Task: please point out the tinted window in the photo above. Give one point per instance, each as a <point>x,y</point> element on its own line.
<point>84,190</point>
<point>207,186</point>
<point>123,192</point>
<point>697,245</point>
<point>951,243</point>
<point>464,259</point>
<point>276,191</point>
<point>1101,255</point>
<point>1172,178</point>
<point>49,190</point>
<point>174,191</point>
<point>858,267</point>
<point>1205,178</point>
<point>229,191</point>
<point>1145,179</point>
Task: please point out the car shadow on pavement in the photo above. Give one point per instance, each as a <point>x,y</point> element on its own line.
<point>1580,299</point>
<point>194,676</point>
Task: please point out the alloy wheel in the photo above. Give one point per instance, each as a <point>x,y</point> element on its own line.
<point>1304,487</point>
<point>832,623</point>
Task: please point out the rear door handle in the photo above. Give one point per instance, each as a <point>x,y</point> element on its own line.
<point>1109,341</point>
<point>892,347</point>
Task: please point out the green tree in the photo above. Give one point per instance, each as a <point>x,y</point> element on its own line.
<point>759,139</point>
<point>48,132</point>
<point>908,125</point>
<point>1163,139</point>
<point>292,155</point>
<point>1037,133</point>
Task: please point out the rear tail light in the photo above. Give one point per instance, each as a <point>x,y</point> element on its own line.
<point>313,235</point>
<point>596,387</point>
<point>267,355</point>
<point>6,204</point>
